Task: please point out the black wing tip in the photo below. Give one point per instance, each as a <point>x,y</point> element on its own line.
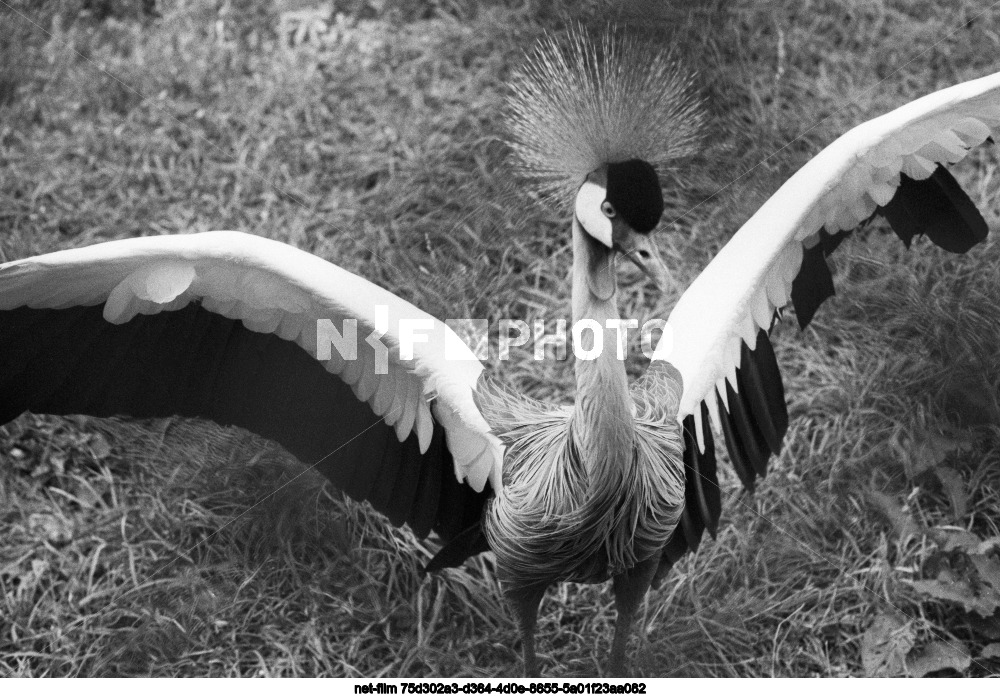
<point>937,207</point>
<point>702,494</point>
<point>814,283</point>
<point>755,423</point>
<point>754,426</point>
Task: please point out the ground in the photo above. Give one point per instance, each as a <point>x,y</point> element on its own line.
<point>373,136</point>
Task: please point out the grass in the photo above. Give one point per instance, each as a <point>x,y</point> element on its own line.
<point>153,548</point>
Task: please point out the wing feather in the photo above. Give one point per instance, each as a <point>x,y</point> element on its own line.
<point>404,409</point>
<point>224,326</point>
<point>273,288</point>
<point>888,165</point>
<point>717,336</point>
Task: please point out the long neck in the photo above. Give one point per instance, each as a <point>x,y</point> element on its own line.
<point>603,423</point>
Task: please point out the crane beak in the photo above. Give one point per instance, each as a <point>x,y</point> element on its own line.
<point>643,253</point>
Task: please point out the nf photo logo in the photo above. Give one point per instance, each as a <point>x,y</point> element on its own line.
<point>480,339</point>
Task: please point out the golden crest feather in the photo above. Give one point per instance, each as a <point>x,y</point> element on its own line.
<point>578,104</point>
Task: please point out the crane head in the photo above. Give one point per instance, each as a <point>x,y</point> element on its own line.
<point>592,120</point>
<point>619,205</point>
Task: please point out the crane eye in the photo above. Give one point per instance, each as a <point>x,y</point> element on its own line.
<point>608,210</point>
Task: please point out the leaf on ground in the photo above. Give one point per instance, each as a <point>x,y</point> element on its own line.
<point>991,651</point>
<point>885,645</point>
<point>950,539</point>
<point>937,656</point>
<point>56,530</point>
<point>900,518</point>
<point>954,487</point>
<point>959,592</point>
<point>988,569</point>
<point>926,452</point>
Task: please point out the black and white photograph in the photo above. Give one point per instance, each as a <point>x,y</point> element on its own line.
<point>546,346</point>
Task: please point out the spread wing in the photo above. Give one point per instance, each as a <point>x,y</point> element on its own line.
<point>248,331</point>
<point>717,335</point>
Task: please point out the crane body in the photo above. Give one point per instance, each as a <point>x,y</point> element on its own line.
<point>593,491</point>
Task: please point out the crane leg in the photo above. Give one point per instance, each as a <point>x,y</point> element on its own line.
<point>524,600</point>
<point>630,589</point>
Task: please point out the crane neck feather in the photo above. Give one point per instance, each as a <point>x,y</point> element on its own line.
<point>603,421</point>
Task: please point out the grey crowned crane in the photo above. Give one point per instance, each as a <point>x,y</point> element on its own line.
<point>620,485</point>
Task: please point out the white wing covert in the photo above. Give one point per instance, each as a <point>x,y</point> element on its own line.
<point>182,306</point>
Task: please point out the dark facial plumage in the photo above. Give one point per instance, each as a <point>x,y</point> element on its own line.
<point>634,191</point>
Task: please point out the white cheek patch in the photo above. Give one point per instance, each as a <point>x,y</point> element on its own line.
<point>588,212</point>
